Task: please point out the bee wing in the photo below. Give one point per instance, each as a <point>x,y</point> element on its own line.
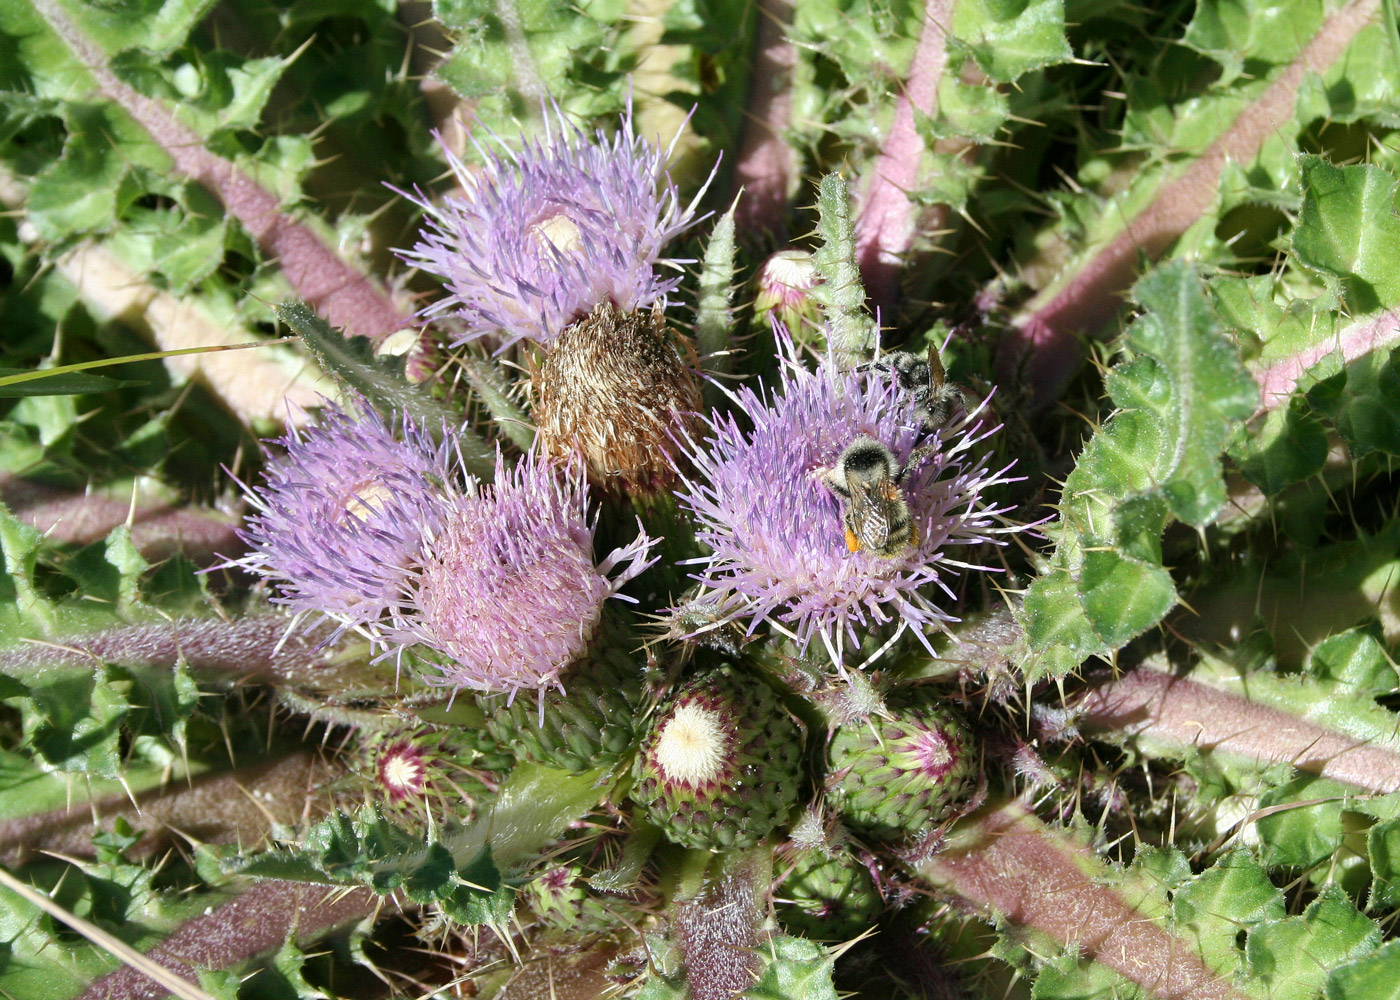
<point>867,508</point>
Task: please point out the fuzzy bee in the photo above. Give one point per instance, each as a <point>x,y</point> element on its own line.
<point>923,380</point>
<point>869,479</point>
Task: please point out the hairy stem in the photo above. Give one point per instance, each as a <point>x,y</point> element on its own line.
<point>256,647</point>
<point>159,528</point>
<point>1278,380</point>
<point>1154,704</point>
<point>257,921</point>
<point>718,930</point>
<point>767,166</point>
<point>345,297</point>
<point>886,225</point>
<point>1008,865</point>
<point>233,807</point>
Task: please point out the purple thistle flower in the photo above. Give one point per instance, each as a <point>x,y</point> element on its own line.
<point>776,530</point>
<point>339,517</point>
<point>507,588</point>
<point>546,234</point>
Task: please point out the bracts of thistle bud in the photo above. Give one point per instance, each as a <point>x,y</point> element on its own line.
<point>589,720</point>
<point>618,388</point>
<point>898,774</point>
<point>341,514</point>
<point>506,593</point>
<point>721,765</point>
<point>829,510</point>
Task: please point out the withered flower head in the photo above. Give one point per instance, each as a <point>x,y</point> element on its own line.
<point>618,388</point>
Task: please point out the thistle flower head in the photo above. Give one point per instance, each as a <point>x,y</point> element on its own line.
<point>543,235</point>
<point>340,514</point>
<point>767,499</point>
<point>507,588</point>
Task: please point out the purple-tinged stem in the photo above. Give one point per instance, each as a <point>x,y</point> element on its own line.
<point>255,922</point>
<point>886,227</point>
<point>232,807</point>
<point>346,298</point>
<point>1009,866</point>
<point>1046,331</point>
<point>1153,703</point>
<point>159,529</point>
<point>251,647</point>
<point>767,165</point>
<point>718,932</point>
<point>1278,380</point>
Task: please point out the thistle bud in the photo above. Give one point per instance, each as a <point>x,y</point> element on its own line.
<point>722,763</point>
<point>785,284</point>
<point>589,723</point>
<point>618,388</point>
<point>896,776</point>
<point>828,897</point>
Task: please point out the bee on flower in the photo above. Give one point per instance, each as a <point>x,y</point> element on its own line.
<point>828,508</point>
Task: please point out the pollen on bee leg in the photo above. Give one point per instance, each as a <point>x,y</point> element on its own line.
<point>852,542</point>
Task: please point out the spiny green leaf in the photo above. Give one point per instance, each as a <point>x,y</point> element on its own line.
<point>1293,956</point>
<point>351,361</point>
<point>1348,228</point>
<point>1233,32</point>
<point>1309,832</point>
<point>1231,895</point>
<point>1375,977</point>
<point>794,969</point>
<point>1179,393</point>
<point>1009,39</point>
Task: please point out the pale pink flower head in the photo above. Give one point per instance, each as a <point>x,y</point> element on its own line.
<point>777,532</point>
<point>338,519</point>
<point>508,591</point>
<point>544,234</point>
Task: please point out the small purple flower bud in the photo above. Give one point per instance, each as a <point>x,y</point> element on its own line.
<point>341,513</point>
<point>402,771</point>
<point>542,236</point>
<point>507,589</point>
<point>822,516</point>
<point>785,283</point>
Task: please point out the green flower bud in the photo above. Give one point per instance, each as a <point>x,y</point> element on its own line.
<point>590,723</point>
<point>828,897</point>
<point>896,776</point>
<point>722,763</point>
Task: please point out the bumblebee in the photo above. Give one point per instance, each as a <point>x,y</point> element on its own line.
<point>869,480</point>
<point>924,381</point>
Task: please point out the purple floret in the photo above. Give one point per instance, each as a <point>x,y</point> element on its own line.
<point>340,516</point>
<point>508,590</point>
<point>776,530</point>
<point>545,234</point>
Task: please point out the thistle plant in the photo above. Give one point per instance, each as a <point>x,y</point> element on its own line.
<point>464,536</point>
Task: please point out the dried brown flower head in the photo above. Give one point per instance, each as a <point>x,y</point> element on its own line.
<point>617,388</point>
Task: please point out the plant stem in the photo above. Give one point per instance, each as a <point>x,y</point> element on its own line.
<point>885,228</point>
<point>1186,713</point>
<point>1007,864</point>
<point>767,166</point>
<point>257,921</point>
<point>1044,333</point>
